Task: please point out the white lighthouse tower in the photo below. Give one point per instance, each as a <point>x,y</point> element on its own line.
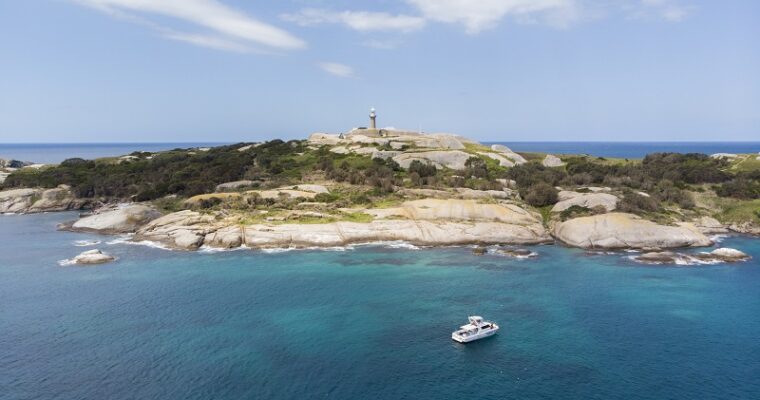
<point>372,118</point>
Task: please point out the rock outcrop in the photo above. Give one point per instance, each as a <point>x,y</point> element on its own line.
<point>748,228</point>
<point>223,187</point>
<point>304,191</point>
<point>458,193</point>
<point>506,151</point>
<point>620,231</point>
<point>396,139</point>
<point>440,149</point>
<point>710,225</point>
<point>56,199</point>
<point>304,187</point>
<point>415,232</point>
<point>722,255</point>
<point>568,199</point>
<point>729,254</point>
<point>385,154</point>
<point>425,222</point>
<point>340,150</point>
<point>458,210</point>
<point>18,200</point>
<point>125,219</point>
<point>38,200</point>
<point>185,230</point>
<point>454,159</point>
<point>324,139</point>
<point>503,161</point>
<point>228,237</point>
<point>13,163</point>
<point>552,161</point>
<point>91,257</point>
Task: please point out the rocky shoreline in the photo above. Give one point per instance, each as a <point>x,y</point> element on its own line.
<point>422,206</point>
<point>428,222</point>
<point>424,222</point>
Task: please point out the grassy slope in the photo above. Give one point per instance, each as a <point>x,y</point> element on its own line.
<point>745,163</point>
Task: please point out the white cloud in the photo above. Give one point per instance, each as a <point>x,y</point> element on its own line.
<point>208,41</point>
<point>669,10</point>
<point>341,70</point>
<point>381,44</point>
<point>477,16</point>
<point>363,21</point>
<point>233,30</point>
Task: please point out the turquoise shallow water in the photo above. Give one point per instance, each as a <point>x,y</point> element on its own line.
<point>372,322</point>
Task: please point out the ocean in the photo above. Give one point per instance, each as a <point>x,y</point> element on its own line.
<point>55,153</point>
<point>371,322</point>
<point>633,150</point>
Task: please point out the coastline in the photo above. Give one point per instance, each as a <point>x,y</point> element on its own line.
<point>678,257</point>
<point>377,186</point>
<point>212,246</point>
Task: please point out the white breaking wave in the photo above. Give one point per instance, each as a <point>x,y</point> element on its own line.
<point>681,259</point>
<point>120,239</point>
<point>149,243</point>
<point>602,253</point>
<point>719,238</point>
<point>127,239</point>
<point>278,250</point>
<point>497,251</point>
<point>401,245</point>
<point>274,250</point>
<point>211,250</point>
<point>396,244</point>
<point>86,243</point>
<point>333,248</point>
<point>65,263</point>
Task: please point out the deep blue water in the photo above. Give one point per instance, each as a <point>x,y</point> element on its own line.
<point>372,323</point>
<point>55,153</point>
<point>633,149</point>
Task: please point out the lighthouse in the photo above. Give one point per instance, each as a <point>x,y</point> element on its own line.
<point>372,118</point>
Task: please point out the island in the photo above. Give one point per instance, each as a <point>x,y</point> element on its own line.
<point>375,185</point>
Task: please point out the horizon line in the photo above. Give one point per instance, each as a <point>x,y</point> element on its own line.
<point>483,141</point>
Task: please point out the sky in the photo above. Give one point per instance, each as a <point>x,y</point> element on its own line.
<point>493,70</point>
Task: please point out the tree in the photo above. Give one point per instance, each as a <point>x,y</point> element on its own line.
<point>540,194</point>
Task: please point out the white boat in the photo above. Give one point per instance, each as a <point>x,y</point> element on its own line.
<point>476,329</point>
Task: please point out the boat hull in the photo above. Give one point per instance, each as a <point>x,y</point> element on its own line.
<point>472,338</point>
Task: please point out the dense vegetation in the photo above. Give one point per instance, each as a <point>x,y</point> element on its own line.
<point>664,176</point>
<point>658,178</point>
<point>181,172</point>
